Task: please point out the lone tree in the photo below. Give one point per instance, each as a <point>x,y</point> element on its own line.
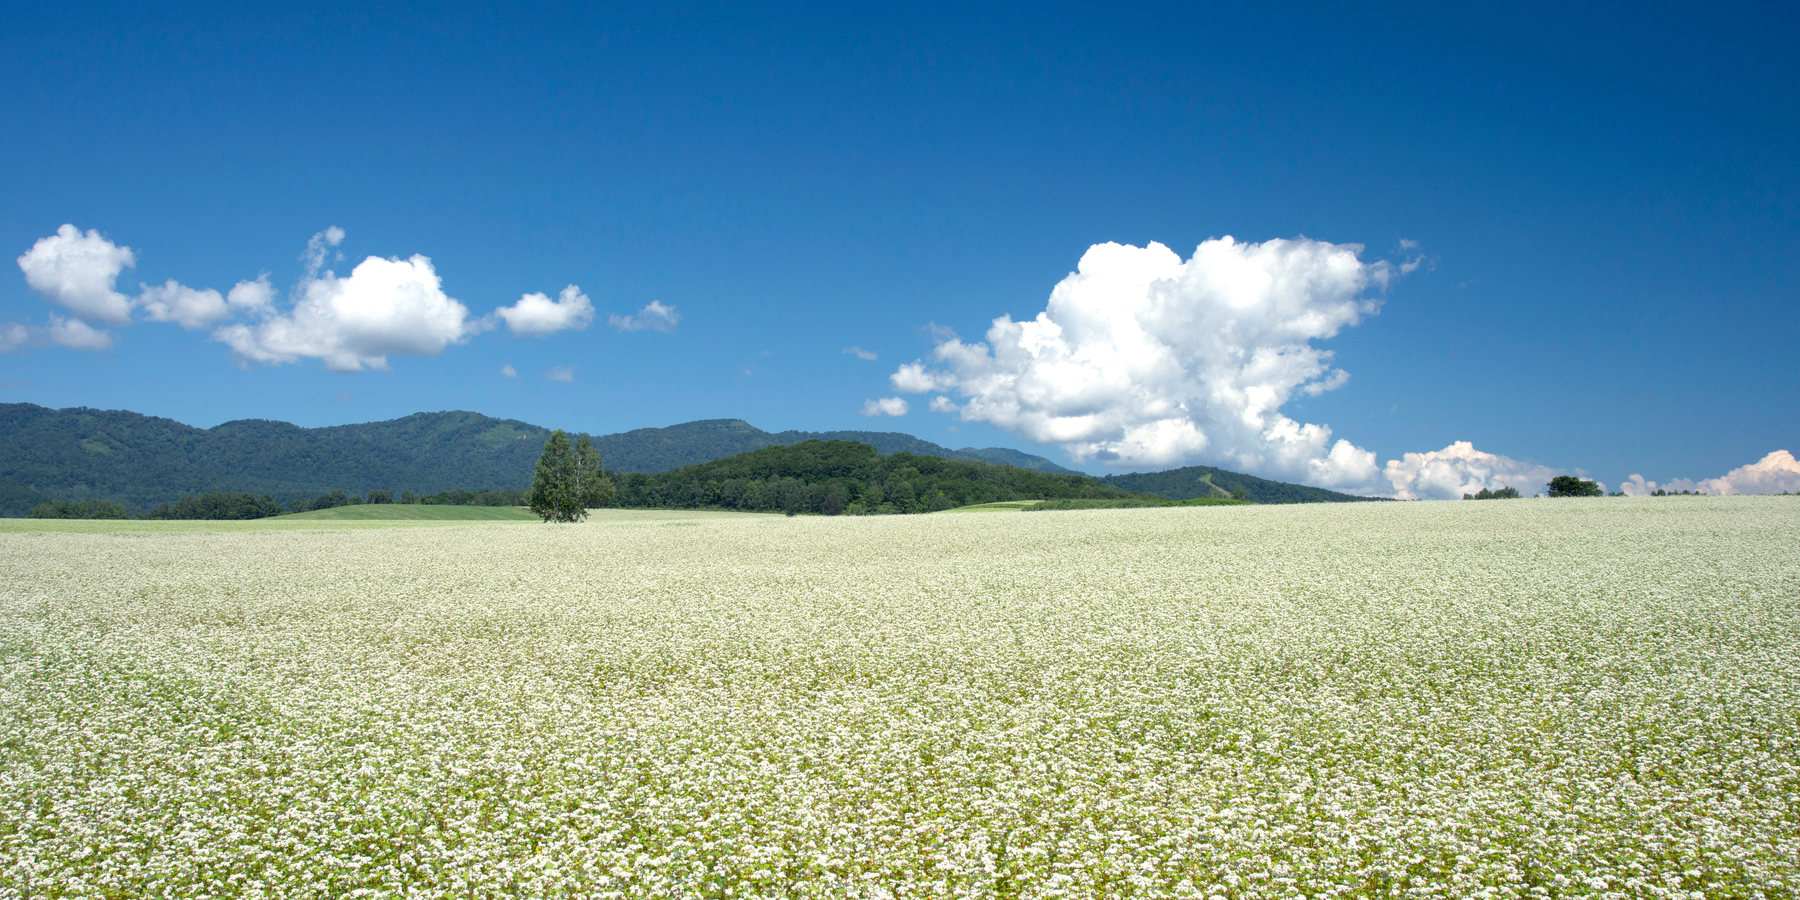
<point>1571,486</point>
<point>569,480</point>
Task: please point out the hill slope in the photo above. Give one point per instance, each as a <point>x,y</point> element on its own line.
<point>693,443</point>
<point>137,460</point>
<point>1207,481</point>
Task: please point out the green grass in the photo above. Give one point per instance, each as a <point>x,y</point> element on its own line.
<point>407,512</point>
<point>1008,505</point>
<point>1043,505</point>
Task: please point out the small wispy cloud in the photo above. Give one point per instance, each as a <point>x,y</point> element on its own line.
<point>886,406</point>
<point>561,373</point>
<point>654,317</point>
<point>509,371</point>
<point>18,384</point>
<point>860,353</point>
<point>342,397</point>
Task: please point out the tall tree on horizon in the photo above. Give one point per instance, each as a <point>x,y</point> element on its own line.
<point>569,480</point>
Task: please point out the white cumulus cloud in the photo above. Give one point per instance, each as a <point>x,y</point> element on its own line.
<point>537,315</point>
<point>1143,359</point>
<point>509,371</point>
<point>1775,473</point>
<point>886,406</point>
<point>178,303</point>
<point>1461,469</point>
<point>654,317</point>
<point>254,297</point>
<point>78,272</point>
<point>860,353</point>
<point>385,307</point>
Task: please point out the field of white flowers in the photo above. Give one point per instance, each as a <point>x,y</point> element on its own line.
<point>1531,698</point>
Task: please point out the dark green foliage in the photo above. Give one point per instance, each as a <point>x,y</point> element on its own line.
<point>569,480</point>
<point>379,496</point>
<point>205,506</point>
<point>1207,481</point>
<point>332,500</point>
<point>141,461</point>
<point>1505,493</point>
<point>1135,504</point>
<point>79,509</point>
<point>850,477</point>
<point>1571,486</point>
<point>693,443</point>
<point>218,505</point>
<point>460,497</point>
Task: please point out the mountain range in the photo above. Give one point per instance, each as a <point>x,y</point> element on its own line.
<point>81,454</point>
<point>138,460</point>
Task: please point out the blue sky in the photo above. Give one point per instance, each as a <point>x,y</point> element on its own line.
<point>1580,231</point>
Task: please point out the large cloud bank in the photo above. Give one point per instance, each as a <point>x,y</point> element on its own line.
<point>382,308</point>
<point>1460,469</point>
<point>385,306</point>
<point>1142,359</point>
<point>1777,473</point>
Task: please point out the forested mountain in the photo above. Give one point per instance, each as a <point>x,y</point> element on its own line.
<point>141,461</point>
<point>1207,481</point>
<point>84,454</point>
<point>836,477</point>
<point>693,443</point>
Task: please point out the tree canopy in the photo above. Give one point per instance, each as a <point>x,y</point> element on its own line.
<point>569,480</point>
<point>1572,486</point>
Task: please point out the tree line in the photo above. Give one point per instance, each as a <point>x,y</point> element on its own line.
<point>226,505</point>
<point>1560,486</point>
<point>843,478</point>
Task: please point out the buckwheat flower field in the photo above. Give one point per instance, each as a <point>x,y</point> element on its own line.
<point>1532,698</point>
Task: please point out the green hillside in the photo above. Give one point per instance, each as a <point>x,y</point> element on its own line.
<point>1207,481</point>
<point>137,460</point>
<point>693,443</point>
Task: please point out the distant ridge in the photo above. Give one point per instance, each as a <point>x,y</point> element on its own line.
<point>705,440</point>
<point>138,460</point>
<point>1207,481</point>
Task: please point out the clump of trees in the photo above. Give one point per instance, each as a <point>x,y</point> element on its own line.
<point>1505,493</point>
<point>1572,486</point>
<point>80,509</point>
<point>850,478</point>
<point>569,480</point>
<point>226,505</point>
<point>215,505</point>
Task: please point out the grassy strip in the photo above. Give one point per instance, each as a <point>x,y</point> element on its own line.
<point>1133,504</point>
<point>407,512</point>
<point>1003,505</point>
